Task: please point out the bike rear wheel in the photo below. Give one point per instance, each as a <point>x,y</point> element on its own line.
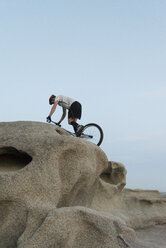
<point>93,133</point>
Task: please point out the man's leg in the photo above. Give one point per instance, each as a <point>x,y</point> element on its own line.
<point>73,122</point>
<point>77,128</point>
<point>73,115</point>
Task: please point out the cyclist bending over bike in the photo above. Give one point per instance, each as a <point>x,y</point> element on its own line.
<point>74,111</point>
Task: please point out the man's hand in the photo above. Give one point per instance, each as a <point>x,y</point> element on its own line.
<point>48,119</point>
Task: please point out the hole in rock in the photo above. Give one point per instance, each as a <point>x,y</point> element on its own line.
<point>106,177</point>
<point>11,159</point>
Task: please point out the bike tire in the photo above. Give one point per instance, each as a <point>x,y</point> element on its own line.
<point>93,133</point>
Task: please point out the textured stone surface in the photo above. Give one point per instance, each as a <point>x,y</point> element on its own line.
<point>60,191</point>
<point>75,227</point>
<point>13,216</point>
<point>63,169</point>
<point>115,173</point>
<point>153,237</point>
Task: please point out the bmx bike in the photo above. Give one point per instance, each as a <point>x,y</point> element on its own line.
<point>91,132</point>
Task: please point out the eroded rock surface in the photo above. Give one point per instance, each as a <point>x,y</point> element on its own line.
<point>60,191</point>
<point>115,173</point>
<point>74,227</point>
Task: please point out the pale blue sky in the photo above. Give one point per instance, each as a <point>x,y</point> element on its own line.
<point>109,55</point>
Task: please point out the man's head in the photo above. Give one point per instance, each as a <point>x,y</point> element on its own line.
<point>52,99</point>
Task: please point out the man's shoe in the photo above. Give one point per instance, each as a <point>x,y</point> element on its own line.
<point>79,130</point>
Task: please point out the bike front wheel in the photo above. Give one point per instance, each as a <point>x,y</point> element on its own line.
<point>93,133</point>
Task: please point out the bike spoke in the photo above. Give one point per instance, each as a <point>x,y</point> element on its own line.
<point>93,133</point>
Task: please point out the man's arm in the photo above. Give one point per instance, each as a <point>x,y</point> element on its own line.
<point>53,108</point>
<point>63,115</point>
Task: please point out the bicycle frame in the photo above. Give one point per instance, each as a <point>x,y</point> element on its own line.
<point>85,136</point>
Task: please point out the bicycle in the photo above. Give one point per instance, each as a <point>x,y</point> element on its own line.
<point>91,132</point>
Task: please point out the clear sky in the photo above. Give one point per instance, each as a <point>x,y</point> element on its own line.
<point>108,54</point>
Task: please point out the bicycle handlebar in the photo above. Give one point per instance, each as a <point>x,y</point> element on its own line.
<point>56,123</point>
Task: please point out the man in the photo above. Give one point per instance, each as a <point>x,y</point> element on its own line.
<point>74,111</point>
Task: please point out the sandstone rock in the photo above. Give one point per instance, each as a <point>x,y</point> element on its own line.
<point>76,227</point>
<point>115,174</point>
<point>13,217</point>
<point>60,191</point>
<point>42,164</point>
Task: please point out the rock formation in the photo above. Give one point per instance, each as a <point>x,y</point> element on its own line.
<point>61,191</point>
